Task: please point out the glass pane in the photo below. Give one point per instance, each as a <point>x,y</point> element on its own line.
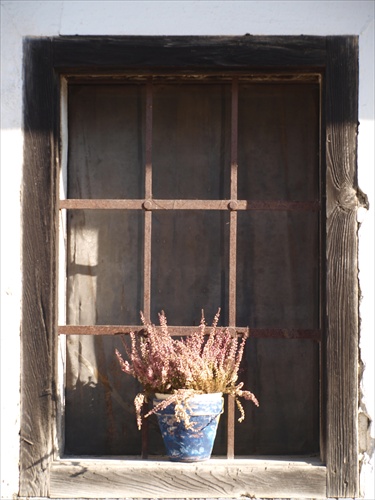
<point>277,252</point>
<point>278,270</point>
<point>189,265</point>
<point>99,412</point>
<point>105,267</point>
<point>284,375</point>
<point>278,142</point>
<point>191,141</point>
<point>106,141</point>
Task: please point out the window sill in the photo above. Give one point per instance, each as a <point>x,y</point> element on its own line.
<point>115,477</point>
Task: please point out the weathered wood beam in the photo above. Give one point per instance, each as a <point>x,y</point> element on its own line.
<point>342,279</point>
<point>39,274</point>
<point>84,54</point>
<point>216,478</point>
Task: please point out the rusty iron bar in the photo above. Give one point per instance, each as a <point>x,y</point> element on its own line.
<point>232,267</point>
<point>230,426</point>
<point>145,431</point>
<point>156,204</point>
<point>148,213</point>
<point>96,204</point>
<point>147,234</point>
<point>234,141</point>
<point>148,156</point>
<point>147,264</point>
<point>233,206</point>
<point>182,331</point>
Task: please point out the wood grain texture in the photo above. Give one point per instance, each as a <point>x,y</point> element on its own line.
<point>342,279</point>
<point>218,478</point>
<point>146,52</point>
<point>39,202</point>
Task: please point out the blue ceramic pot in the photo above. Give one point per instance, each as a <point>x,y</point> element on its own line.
<point>191,445</point>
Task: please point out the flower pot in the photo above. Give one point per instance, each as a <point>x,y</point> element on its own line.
<point>190,444</point>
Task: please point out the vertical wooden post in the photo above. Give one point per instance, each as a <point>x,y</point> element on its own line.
<point>38,335</point>
<point>342,279</point>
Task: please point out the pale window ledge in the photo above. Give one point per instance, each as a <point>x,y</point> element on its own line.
<point>115,477</point>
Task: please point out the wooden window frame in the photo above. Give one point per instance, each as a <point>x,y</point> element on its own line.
<point>42,472</point>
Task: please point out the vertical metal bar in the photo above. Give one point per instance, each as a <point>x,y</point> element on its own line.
<point>233,214</point>
<point>148,196</point>
<point>232,267</point>
<point>234,141</point>
<point>233,248</point>
<point>148,139</point>
<point>147,235</point>
<point>147,265</point>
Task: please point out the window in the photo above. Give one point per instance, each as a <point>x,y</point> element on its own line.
<point>264,143</point>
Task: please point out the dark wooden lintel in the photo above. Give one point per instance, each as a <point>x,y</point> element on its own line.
<point>85,53</point>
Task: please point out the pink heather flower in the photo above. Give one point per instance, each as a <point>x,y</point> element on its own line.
<point>199,363</point>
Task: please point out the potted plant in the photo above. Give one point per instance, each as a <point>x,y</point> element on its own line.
<point>186,378</point>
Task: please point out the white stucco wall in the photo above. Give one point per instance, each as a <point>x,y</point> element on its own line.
<point>154,17</point>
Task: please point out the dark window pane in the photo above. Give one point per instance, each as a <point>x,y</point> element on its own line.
<point>284,374</point>
<point>99,412</point>
<point>106,141</point>
<point>191,138</point>
<point>190,265</point>
<point>104,267</point>
<point>278,272</point>
<point>278,142</point>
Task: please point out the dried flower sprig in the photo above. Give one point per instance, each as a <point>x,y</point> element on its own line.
<point>200,363</point>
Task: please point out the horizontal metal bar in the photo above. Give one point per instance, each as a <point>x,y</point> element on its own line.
<point>151,204</point>
<point>275,333</point>
<point>74,204</point>
<point>97,329</point>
